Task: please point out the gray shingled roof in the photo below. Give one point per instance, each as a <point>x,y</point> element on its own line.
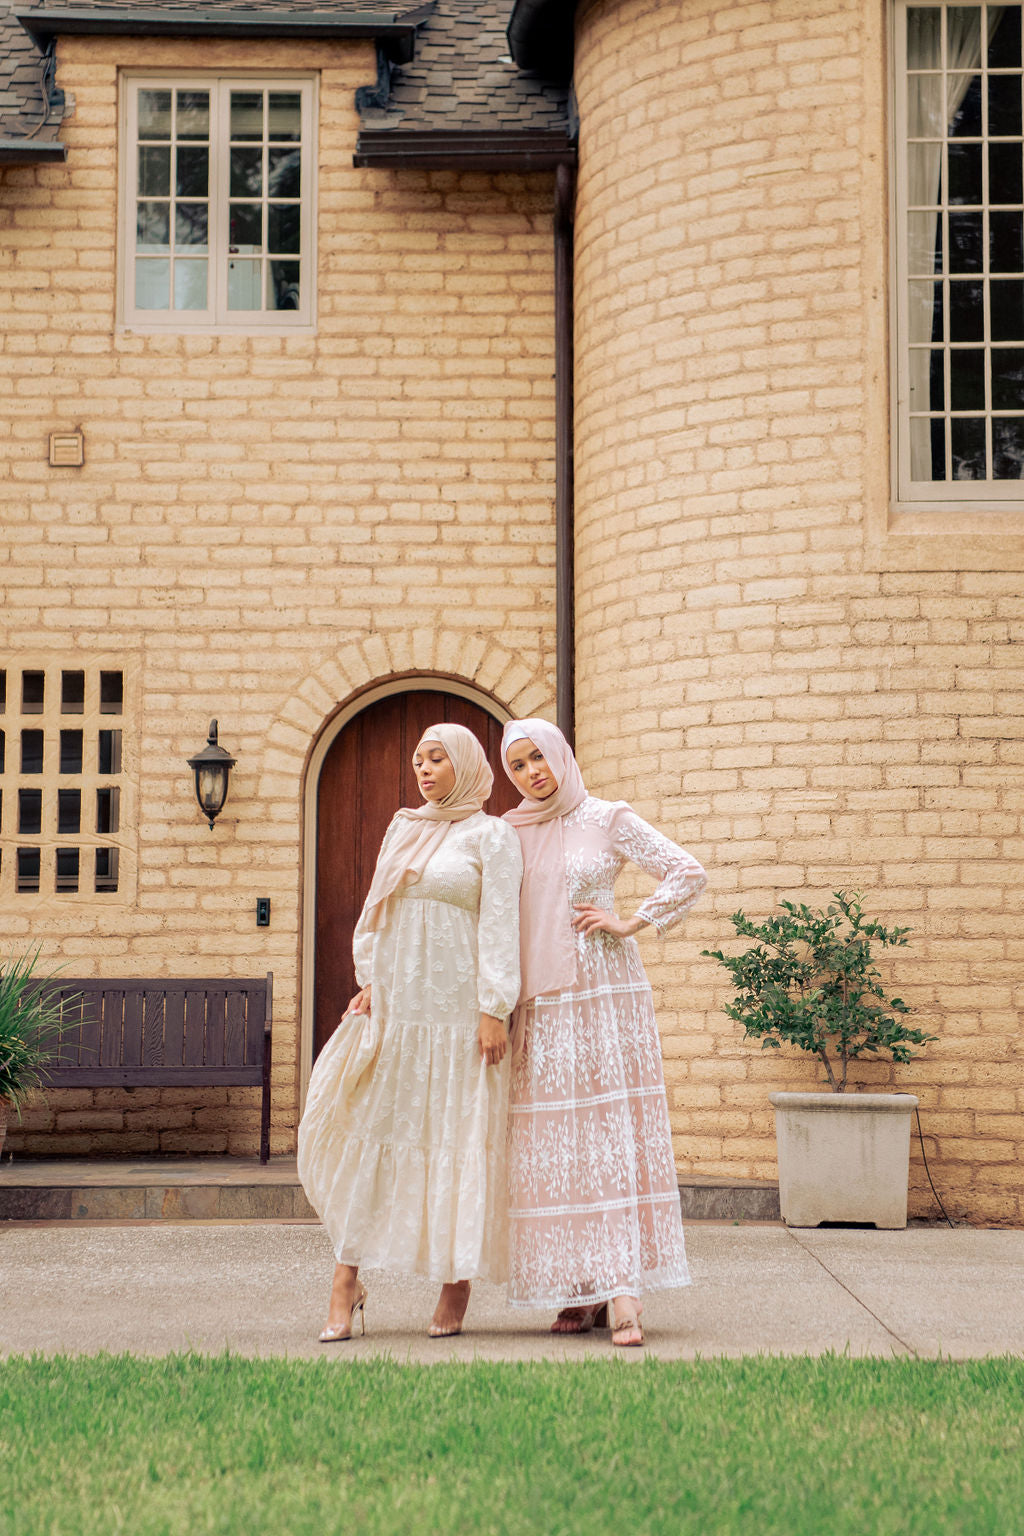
<point>463,78</point>
<point>24,121</point>
<point>21,85</point>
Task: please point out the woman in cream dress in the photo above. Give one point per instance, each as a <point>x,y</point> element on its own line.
<point>594,1199</point>
<point>402,1147</point>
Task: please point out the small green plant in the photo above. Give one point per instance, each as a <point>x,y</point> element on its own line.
<point>810,979</point>
<point>30,1023</point>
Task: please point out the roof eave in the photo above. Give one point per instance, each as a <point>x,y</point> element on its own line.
<point>397,28</point>
<point>465,150</point>
<point>31,151</point>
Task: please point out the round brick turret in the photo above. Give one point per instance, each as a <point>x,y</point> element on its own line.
<point>766,668</point>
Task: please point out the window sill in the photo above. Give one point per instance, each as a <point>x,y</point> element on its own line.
<point>277,331</point>
<point>949,536</point>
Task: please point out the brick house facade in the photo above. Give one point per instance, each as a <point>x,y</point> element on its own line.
<point>805,675</point>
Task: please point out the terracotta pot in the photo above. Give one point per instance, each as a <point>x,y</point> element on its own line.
<point>843,1157</point>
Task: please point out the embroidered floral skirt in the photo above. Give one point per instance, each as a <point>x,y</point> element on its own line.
<point>594,1197</point>
<point>402,1155</point>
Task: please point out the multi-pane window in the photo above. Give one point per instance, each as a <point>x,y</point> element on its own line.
<point>61,781</point>
<point>960,250</point>
<point>217,202</point>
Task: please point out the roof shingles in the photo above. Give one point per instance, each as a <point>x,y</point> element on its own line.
<point>22,102</point>
<point>461,79</point>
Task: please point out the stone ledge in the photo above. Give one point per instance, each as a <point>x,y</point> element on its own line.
<point>231,1189</point>
<point>200,1189</point>
<point>705,1199</point>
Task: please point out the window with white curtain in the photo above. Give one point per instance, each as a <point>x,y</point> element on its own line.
<point>960,253</point>
<point>216,201</point>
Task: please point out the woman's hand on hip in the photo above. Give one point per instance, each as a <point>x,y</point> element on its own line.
<point>493,1039</point>
<point>590,919</point>
<point>361,1002</point>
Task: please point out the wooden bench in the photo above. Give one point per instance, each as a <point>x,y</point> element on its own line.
<point>127,1033</point>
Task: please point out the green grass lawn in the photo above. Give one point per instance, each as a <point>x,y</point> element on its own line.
<point>825,1447</point>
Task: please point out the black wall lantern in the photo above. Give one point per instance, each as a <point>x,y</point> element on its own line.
<point>212,768</point>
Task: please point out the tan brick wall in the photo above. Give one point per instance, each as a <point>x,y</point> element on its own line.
<point>264,524</point>
<point>767,668</point>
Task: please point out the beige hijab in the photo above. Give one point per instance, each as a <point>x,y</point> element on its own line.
<point>416,835</point>
<point>546,941</point>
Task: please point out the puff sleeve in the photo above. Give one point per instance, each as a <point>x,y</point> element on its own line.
<point>498,930</point>
<point>681,878</point>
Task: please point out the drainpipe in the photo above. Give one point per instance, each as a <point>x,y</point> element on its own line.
<point>565,584</point>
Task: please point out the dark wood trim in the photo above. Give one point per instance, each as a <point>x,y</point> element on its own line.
<point>565,554</point>
<point>397,28</point>
<point>156,1077</point>
<point>463,150</point>
<point>31,151</point>
<point>265,1072</point>
<point>93,984</point>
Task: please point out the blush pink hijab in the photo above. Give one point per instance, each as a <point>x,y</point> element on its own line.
<point>547,945</point>
<point>417,835</point>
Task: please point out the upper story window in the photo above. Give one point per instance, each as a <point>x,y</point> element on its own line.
<point>960,253</point>
<point>216,215</point>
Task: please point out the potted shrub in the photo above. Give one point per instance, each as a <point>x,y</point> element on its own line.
<point>30,1025</point>
<point>810,979</point>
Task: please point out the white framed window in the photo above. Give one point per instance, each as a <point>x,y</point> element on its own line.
<point>959,227</point>
<point>217,196</point>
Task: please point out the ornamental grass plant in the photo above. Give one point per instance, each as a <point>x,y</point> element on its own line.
<point>30,1024</point>
<point>810,979</point>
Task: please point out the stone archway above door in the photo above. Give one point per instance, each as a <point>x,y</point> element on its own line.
<point>522,684</point>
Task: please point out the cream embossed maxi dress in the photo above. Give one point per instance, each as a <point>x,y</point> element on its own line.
<point>403,1155</point>
<point>593,1192</point>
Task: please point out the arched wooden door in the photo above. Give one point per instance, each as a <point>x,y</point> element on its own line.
<point>367,774</point>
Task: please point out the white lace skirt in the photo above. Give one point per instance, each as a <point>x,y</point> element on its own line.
<point>402,1144</point>
<point>594,1197</point>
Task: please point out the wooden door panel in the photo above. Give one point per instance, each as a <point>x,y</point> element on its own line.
<point>366,776</point>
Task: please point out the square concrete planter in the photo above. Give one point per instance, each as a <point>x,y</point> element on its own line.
<point>843,1157</point>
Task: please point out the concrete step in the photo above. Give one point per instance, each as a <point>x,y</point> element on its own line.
<point>192,1189</point>
<point>233,1189</point>
<point>705,1199</point>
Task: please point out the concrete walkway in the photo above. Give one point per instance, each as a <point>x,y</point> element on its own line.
<point>261,1289</point>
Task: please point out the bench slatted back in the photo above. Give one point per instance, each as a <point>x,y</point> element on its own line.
<point>185,1032</point>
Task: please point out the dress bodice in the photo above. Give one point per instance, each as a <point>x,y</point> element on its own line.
<point>454,872</point>
<point>602,836</point>
<point>458,921</point>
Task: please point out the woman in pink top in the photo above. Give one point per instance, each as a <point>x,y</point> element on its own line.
<point>593,1194</point>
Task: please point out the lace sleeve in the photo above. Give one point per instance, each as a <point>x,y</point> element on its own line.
<point>681,877</point>
<point>498,934</point>
<point>363,937</point>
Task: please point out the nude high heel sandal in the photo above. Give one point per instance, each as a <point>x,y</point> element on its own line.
<point>573,1320</point>
<point>337,1333</point>
<point>628,1324</point>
